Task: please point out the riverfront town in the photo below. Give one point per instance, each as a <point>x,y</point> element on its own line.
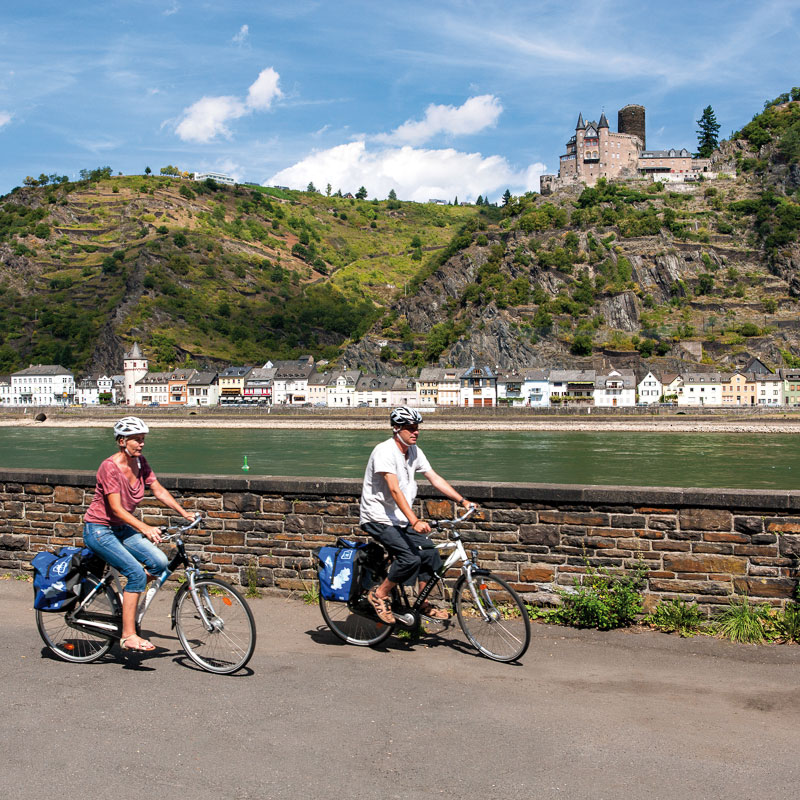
<point>303,382</point>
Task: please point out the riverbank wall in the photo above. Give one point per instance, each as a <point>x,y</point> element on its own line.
<point>704,545</point>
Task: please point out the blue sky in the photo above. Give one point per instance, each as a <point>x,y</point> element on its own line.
<point>432,98</point>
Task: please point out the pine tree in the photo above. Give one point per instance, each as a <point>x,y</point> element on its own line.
<point>707,141</point>
<point>479,201</point>
<point>506,197</point>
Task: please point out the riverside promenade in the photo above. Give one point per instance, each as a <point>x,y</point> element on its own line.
<point>626,714</point>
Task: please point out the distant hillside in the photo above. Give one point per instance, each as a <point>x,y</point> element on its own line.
<point>198,271</point>
<point>695,273</point>
<point>703,273</point>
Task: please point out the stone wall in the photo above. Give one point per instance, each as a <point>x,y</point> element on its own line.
<point>700,544</point>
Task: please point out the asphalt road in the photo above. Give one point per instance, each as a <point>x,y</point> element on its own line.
<point>587,715</point>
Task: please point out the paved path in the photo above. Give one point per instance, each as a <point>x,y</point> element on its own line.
<point>588,715</point>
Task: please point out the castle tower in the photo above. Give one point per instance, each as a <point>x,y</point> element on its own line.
<point>631,120</point>
<point>135,366</point>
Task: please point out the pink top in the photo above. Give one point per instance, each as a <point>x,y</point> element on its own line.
<point>110,480</point>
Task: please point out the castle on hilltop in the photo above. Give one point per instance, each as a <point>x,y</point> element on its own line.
<point>595,151</point>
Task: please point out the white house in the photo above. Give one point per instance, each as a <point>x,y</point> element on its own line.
<point>448,391</point>
<point>374,391</point>
<point>536,387</point>
<point>290,384</point>
<point>769,390</point>
<point>701,389</point>
<point>203,389</point>
<point>152,389</point>
<point>43,385</point>
<point>617,388</point>
<point>403,392</point>
<point>342,388</point>
<point>478,387</point>
<point>650,389</point>
<point>509,388</point>
<point>219,177</point>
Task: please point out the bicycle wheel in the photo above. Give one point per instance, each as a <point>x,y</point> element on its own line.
<point>354,623</point>
<point>75,645</point>
<point>494,619</point>
<point>230,643</point>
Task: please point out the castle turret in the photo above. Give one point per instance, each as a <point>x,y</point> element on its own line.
<point>631,120</point>
<point>135,366</point>
<point>603,121</point>
<point>581,124</point>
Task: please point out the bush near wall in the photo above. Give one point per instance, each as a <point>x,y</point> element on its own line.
<point>703,545</point>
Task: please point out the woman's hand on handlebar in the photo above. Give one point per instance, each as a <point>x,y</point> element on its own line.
<point>151,533</point>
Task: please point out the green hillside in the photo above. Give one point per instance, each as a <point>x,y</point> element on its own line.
<point>199,271</point>
<point>207,274</point>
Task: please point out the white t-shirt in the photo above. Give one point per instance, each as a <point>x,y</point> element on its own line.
<point>377,503</point>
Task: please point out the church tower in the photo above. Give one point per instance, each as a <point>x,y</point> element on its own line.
<point>135,367</point>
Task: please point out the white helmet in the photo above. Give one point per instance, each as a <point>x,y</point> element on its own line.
<point>130,426</point>
<point>404,416</point>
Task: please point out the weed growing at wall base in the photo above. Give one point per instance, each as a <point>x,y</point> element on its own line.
<point>603,600</point>
<point>677,616</point>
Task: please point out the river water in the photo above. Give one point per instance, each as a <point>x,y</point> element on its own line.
<point>631,459</point>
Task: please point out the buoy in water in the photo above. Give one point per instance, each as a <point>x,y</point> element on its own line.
<point>245,467</point>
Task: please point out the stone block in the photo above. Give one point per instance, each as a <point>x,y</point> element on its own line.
<point>748,524</point>
<point>690,587</point>
<point>765,587</point>
<point>705,519</point>
<point>670,545</point>
<point>303,524</point>
<point>627,521</point>
<point>548,535</point>
<point>10,541</point>
<point>730,565</point>
<point>711,547</point>
<point>68,495</point>
<point>244,501</point>
<point>515,516</point>
<point>226,538</point>
<point>572,518</point>
<point>659,523</point>
<point>535,573</point>
<point>782,525</point>
<point>725,536</point>
<point>789,545</point>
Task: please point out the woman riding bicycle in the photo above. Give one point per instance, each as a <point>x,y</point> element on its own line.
<point>113,532</point>
<point>386,511</point>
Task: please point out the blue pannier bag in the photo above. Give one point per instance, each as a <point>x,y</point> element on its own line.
<point>57,577</point>
<point>340,569</point>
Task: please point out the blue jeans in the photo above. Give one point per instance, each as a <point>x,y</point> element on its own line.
<point>124,547</point>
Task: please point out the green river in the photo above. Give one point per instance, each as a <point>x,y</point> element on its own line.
<point>634,459</point>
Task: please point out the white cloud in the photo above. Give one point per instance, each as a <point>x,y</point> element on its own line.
<point>5,118</point>
<point>264,90</point>
<point>241,37</point>
<point>474,115</point>
<point>173,9</point>
<point>208,118</point>
<point>415,174</point>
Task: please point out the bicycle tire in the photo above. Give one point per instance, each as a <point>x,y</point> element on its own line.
<point>71,644</point>
<point>355,623</point>
<point>229,646</point>
<point>498,625</point>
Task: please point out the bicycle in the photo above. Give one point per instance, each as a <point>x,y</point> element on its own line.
<point>214,623</point>
<point>491,614</point>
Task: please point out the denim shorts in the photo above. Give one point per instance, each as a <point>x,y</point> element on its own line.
<point>124,548</point>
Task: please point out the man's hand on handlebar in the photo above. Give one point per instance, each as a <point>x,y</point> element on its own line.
<point>420,526</point>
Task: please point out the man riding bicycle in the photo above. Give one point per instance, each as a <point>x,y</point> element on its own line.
<point>386,511</point>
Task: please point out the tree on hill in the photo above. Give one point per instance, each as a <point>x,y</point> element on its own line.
<point>361,194</point>
<point>506,197</point>
<point>147,170</point>
<point>479,201</point>
<point>707,140</point>
<point>311,187</point>
<point>170,170</point>
<point>392,194</point>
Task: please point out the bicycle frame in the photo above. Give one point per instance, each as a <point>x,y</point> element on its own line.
<point>112,627</point>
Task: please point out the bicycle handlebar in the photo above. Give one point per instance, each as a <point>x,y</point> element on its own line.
<point>177,530</point>
<point>438,523</point>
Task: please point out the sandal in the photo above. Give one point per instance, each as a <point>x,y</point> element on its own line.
<point>143,646</point>
<point>428,610</point>
<point>382,607</point>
